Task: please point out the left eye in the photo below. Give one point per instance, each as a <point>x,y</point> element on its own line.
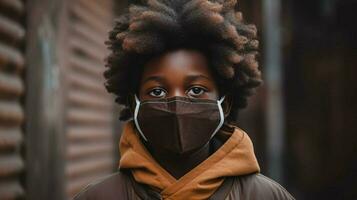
<point>196,91</point>
<point>158,93</point>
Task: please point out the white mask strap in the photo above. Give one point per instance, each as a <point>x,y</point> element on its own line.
<point>221,114</point>
<point>137,107</point>
<point>221,100</point>
<point>137,101</point>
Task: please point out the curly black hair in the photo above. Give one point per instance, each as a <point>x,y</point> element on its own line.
<point>213,27</point>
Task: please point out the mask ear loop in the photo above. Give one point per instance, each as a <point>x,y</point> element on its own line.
<point>137,106</point>
<point>221,114</point>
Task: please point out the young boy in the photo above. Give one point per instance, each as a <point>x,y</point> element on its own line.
<point>183,69</point>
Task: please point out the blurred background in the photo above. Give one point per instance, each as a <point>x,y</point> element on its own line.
<point>59,129</point>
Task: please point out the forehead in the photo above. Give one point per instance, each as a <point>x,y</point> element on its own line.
<point>178,63</point>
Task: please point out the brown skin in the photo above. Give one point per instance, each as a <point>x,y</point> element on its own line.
<point>183,73</point>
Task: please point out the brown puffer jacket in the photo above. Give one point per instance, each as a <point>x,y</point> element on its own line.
<point>121,186</point>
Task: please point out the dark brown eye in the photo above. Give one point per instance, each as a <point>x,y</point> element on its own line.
<point>157,92</point>
<point>196,91</point>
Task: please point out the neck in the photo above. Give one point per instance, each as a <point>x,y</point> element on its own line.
<point>179,165</point>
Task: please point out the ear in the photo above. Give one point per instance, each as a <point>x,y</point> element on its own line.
<point>227,105</point>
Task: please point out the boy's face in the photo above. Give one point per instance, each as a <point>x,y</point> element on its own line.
<point>183,73</point>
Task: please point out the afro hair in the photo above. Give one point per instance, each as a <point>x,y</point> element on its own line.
<point>213,27</point>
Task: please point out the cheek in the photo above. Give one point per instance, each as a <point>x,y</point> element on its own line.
<point>142,93</point>
<point>213,94</point>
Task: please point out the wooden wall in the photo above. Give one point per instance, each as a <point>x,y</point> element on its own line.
<point>56,119</point>
<point>89,115</point>
<point>12,91</point>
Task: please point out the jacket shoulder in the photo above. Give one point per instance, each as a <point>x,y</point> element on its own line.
<point>258,186</point>
<point>111,187</point>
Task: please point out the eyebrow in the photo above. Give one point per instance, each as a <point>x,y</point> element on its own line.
<point>188,79</point>
<point>192,78</point>
<point>158,79</point>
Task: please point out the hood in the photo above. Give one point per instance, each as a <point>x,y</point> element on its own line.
<point>234,158</point>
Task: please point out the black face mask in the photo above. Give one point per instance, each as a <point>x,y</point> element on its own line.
<point>178,124</point>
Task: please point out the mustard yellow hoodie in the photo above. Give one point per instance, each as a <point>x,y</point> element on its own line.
<point>234,158</point>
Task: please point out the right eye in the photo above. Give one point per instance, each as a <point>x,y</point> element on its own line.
<point>158,92</point>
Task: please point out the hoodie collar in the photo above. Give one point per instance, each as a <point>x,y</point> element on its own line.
<point>234,158</point>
